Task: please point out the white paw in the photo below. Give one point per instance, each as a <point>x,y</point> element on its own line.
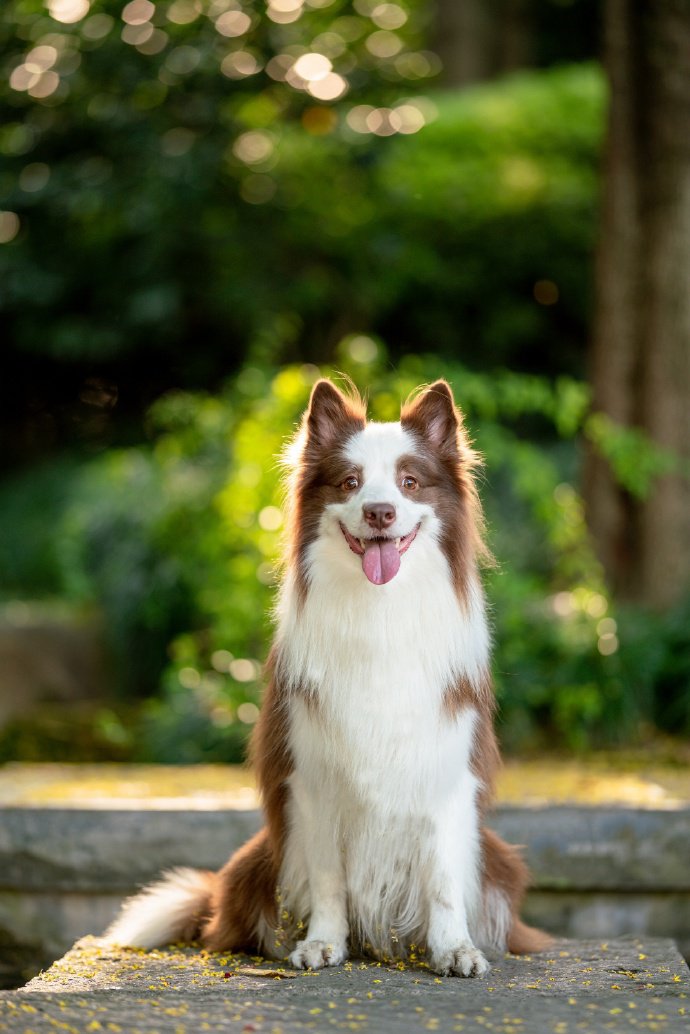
<point>464,961</point>
<point>317,954</point>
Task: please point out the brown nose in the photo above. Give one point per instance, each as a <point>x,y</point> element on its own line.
<point>379,515</point>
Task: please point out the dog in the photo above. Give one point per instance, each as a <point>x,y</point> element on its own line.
<point>374,751</point>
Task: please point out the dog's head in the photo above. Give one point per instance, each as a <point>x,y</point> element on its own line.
<point>381,495</point>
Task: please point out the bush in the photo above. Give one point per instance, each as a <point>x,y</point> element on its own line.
<point>178,542</point>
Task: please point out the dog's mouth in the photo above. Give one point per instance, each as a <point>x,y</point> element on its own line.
<point>380,554</point>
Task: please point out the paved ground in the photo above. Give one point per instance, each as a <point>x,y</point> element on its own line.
<point>578,986</point>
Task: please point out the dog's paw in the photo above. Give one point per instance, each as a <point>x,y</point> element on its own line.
<point>464,961</point>
<point>317,954</point>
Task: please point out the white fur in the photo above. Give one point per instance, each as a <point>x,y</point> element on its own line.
<point>383,827</point>
<point>160,913</point>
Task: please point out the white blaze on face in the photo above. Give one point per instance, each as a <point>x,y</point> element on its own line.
<point>376,451</point>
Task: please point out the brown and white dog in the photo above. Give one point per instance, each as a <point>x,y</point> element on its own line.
<point>374,752</point>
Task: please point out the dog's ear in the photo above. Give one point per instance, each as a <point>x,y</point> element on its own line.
<point>433,415</point>
<point>332,416</point>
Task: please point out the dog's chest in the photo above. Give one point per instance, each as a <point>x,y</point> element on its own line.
<point>369,669</point>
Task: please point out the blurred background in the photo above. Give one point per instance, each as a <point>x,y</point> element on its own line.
<point>206,203</point>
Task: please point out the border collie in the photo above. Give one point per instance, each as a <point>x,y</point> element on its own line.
<point>374,751</point>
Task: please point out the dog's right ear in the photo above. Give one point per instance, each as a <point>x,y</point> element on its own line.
<point>332,416</point>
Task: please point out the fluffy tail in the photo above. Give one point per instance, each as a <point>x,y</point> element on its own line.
<point>171,909</point>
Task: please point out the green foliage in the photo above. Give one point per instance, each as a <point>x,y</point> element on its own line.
<point>634,458</point>
<point>120,539</point>
<point>179,541</point>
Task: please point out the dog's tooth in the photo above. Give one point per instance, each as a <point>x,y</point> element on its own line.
<point>397,543</point>
<point>361,542</point>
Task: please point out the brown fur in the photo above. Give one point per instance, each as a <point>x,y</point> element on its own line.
<point>330,420</point>
<point>446,476</point>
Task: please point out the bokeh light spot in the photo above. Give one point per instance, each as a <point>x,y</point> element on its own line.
<point>68,11</point>
<point>312,67</point>
<point>243,670</point>
<point>156,42</point>
<point>356,117</point>
<point>9,226</point>
<point>546,292</point>
<point>383,44</point>
<point>34,177</point>
<point>253,147</point>
<point>257,189</point>
<point>189,678</point>
<point>43,56</point>
<point>411,118</point>
<point>383,122</point>
<point>607,644</point>
<point>46,85</point>
<point>388,16</point>
<point>328,89</point>
<point>239,63</point>
<point>183,60</point>
<point>177,141</point>
<point>362,349</point>
<point>137,34</point>
<point>233,23</point>
<point>248,712</point>
<point>183,12</point>
<point>319,121</point>
<point>138,11</point>
<point>270,518</point>
<point>97,26</point>
<point>221,660</point>
<point>283,12</point>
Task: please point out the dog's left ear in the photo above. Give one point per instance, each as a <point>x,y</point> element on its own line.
<point>433,415</point>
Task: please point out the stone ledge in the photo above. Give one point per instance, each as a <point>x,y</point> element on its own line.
<point>620,985</point>
<point>567,848</point>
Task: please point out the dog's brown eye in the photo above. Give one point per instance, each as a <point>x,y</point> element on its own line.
<point>350,484</point>
<point>410,484</point>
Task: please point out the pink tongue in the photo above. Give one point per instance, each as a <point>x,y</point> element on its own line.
<point>381,562</point>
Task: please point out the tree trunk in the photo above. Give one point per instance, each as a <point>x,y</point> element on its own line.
<point>640,359</point>
<point>482,39</point>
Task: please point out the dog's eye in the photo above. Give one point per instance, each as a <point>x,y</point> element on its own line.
<point>410,484</point>
<point>350,484</point>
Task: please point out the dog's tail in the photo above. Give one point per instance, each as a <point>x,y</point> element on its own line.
<point>171,909</point>
<point>506,878</point>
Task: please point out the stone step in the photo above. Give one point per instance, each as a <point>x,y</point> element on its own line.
<point>620,985</point>
<point>75,840</point>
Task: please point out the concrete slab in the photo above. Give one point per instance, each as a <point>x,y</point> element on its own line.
<point>620,985</point>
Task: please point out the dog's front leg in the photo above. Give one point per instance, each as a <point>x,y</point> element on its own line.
<point>455,887</point>
<point>315,823</point>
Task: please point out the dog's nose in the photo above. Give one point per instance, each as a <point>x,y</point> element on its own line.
<point>379,515</point>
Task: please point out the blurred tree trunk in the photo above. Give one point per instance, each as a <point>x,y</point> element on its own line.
<point>482,39</point>
<point>640,359</point>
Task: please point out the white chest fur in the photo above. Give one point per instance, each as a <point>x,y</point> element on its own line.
<point>380,770</point>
